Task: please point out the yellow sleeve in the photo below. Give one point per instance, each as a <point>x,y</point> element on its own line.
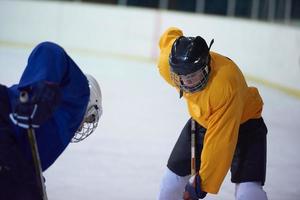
<point>165,44</point>
<point>220,142</point>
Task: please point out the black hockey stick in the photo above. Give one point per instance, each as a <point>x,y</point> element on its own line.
<point>37,163</point>
<point>35,154</point>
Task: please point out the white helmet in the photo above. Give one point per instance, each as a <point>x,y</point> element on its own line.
<point>93,111</point>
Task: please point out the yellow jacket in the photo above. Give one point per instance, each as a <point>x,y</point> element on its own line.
<point>224,104</point>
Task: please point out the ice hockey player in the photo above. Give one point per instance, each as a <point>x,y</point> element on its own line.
<point>230,130</point>
<point>63,105</point>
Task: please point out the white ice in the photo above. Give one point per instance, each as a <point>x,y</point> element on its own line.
<point>143,116</point>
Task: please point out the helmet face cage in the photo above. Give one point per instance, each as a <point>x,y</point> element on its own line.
<point>192,82</point>
<point>93,111</point>
<point>89,124</point>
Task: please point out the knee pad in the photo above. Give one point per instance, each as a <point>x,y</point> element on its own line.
<point>250,191</point>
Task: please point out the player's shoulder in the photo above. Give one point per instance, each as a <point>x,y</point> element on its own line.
<point>225,75</point>
<point>221,59</point>
<point>224,67</point>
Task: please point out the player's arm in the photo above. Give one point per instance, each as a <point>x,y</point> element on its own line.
<point>165,44</point>
<point>39,85</point>
<point>47,62</point>
<point>220,142</point>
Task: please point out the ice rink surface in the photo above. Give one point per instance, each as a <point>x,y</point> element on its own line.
<point>143,116</point>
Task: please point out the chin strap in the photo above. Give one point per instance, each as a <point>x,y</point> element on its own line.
<point>180,93</point>
<point>211,43</point>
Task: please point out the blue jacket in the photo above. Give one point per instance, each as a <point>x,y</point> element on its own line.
<point>50,62</point>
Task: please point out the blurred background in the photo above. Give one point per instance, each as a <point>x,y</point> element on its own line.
<point>281,11</point>
<point>117,42</point>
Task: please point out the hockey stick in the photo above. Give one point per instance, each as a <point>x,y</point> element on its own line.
<point>35,154</point>
<point>37,163</point>
<point>193,147</point>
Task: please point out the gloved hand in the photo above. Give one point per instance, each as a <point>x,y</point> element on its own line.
<point>36,104</point>
<point>193,189</point>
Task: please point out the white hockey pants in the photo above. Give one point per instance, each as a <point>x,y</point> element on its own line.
<point>172,188</point>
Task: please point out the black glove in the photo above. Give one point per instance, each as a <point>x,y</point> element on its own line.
<point>193,189</point>
<point>36,104</point>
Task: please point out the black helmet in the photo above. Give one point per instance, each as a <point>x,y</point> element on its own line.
<point>190,55</point>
